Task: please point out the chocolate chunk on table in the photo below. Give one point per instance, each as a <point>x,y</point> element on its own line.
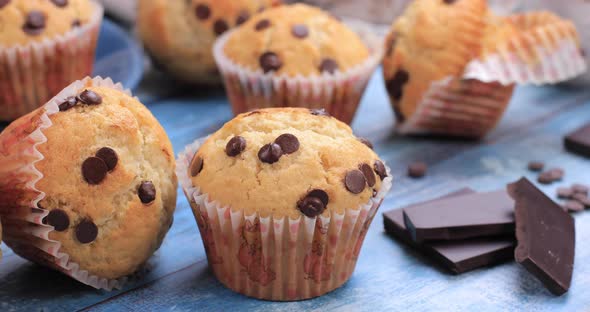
<point>460,217</point>
<point>458,256</point>
<point>545,235</point>
<point>578,142</point>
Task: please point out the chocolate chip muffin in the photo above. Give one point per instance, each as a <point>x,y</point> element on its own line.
<point>287,167</point>
<point>179,35</point>
<point>101,181</point>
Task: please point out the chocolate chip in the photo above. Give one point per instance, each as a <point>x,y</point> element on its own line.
<point>196,165</point>
<point>565,193</point>
<point>536,166</point>
<point>368,173</point>
<point>89,97</point>
<point>220,26</point>
<point>395,85</point>
<point>60,3</point>
<point>109,156</point>
<point>366,142</point>
<point>34,23</point>
<point>270,153</point>
<point>557,173</point>
<point>262,25</point>
<point>545,178</point>
<point>580,189</point>
<point>289,143</point>
<point>299,31</point>
<point>235,146</point>
<point>94,170</point>
<point>146,192</point>
<point>314,203</point>
<point>86,231</point>
<point>355,181</point>
<point>76,23</point>
<point>583,199</point>
<point>58,219</point>
<point>417,169</point>
<point>328,65</point>
<point>269,61</point>
<point>261,9</point>
<point>202,11</point>
<point>68,103</point>
<point>379,169</point>
<point>242,17</point>
<point>3,3</point>
<point>449,1</point>
<point>573,206</point>
<point>319,112</point>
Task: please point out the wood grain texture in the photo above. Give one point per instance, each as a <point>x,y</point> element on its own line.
<point>389,276</point>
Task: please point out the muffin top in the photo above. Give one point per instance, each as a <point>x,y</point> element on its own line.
<point>287,162</point>
<point>23,21</point>
<point>108,179</point>
<point>295,40</point>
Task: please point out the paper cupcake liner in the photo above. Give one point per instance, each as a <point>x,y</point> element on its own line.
<point>22,217</point>
<point>546,50</point>
<point>273,258</point>
<point>339,94</point>
<point>31,74</point>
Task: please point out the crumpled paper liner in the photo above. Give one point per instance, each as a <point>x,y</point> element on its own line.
<point>31,74</point>
<point>278,259</point>
<point>22,217</point>
<point>339,94</point>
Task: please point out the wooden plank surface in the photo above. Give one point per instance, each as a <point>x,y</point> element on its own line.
<point>389,277</point>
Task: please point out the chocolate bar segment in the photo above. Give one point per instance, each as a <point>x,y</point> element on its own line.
<point>461,217</point>
<point>578,142</point>
<point>545,235</point>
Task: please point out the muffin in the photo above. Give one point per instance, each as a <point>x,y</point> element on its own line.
<point>296,56</point>
<point>303,193</point>
<point>44,45</point>
<point>88,184</point>
<point>179,35</point>
<point>451,66</point>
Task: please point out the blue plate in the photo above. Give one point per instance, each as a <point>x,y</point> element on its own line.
<point>118,56</point>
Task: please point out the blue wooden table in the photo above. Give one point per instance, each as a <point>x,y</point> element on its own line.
<point>389,276</point>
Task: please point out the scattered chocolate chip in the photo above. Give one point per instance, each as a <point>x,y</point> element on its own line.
<point>235,146</point>
<point>395,85</point>
<point>380,170</point>
<point>545,178</point>
<point>565,193</point>
<point>557,173</point>
<point>583,199</point>
<point>68,103</point>
<point>89,97</point>
<point>262,25</point>
<point>269,61</point>
<point>580,189</point>
<point>94,170</point>
<point>366,142</point>
<point>270,153</point>
<point>76,23</point>
<point>368,173</point>
<point>146,192</point>
<point>449,1</point>
<point>242,17</point>
<point>220,26</point>
<point>300,31</point>
<point>109,156</point>
<point>261,9</point>
<point>34,23</point>
<point>289,143</point>
<point>417,169</point>
<point>355,181</point>
<point>328,65</point>
<point>86,231</point>
<point>536,166</point>
<point>58,219</point>
<point>196,165</point>
<point>202,11</point>
<point>314,203</point>
<point>319,112</point>
<point>573,206</point>
<point>60,3</point>
<point>3,3</point>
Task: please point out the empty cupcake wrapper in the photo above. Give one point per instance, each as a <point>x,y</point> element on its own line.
<point>22,218</point>
<point>273,258</point>
<point>339,94</point>
<point>31,74</point>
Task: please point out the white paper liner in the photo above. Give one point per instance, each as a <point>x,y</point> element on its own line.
<point>339,93</point>
<point>278,259</point>
<point>22,217</point>
<point>31,74</point>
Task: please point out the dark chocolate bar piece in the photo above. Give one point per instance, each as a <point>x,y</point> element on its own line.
<point>578,142</point>
<point>457,256</point>
<point>545,235</point>
<point>461,217</point>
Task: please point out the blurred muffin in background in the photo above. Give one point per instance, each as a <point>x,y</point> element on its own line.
<point>179,35</point>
